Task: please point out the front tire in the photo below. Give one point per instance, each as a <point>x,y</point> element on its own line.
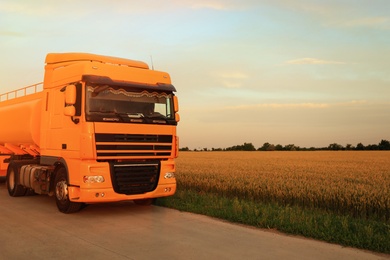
<point>12,179</point>
<point>64,205</point>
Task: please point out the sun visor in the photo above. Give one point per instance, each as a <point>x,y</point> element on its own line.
<point>101,80</point>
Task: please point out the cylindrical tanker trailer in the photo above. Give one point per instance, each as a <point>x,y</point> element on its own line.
<point>21,119</point>
<point>101,129</point>
<point>21,123</point>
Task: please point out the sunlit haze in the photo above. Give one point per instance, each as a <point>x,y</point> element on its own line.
<point>301,72</point>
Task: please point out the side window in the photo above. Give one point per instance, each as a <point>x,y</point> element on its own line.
<point>160,108</point>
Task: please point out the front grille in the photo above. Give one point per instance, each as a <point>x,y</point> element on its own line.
<point>130,146</point>
<point>135,177</point>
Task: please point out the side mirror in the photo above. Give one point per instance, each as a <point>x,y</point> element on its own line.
<point>175,104</point>
<point>70,100</point>
<point>70,95</point>
<point>69,111</point>
<point>177,117</point>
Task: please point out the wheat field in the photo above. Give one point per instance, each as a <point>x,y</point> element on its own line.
<point>356,183</point>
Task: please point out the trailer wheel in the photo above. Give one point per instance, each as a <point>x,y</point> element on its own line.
<point>61,193</point>
<point>12,179</point>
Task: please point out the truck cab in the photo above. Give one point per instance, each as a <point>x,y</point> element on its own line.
<point>104,130</point>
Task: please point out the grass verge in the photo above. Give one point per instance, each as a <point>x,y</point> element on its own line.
<point>319,224</point>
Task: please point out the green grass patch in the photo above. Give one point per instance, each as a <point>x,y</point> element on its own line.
<point>314,223</point>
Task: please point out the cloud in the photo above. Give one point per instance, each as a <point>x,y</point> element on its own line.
<point>279,105</point>
<point>366,14</point>
<point>219,5</point>
<point>312,61</point>
<point>233,75</point>
<point>27,7</point>
<point>11,33</point>
<point>209,5</point>
<point>306,105</point>
<point>231,79</point>
<point>378,22</point>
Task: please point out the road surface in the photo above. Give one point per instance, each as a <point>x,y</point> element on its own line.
<point>32,228</point>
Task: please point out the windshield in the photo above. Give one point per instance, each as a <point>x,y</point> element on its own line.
<point>105,103</point>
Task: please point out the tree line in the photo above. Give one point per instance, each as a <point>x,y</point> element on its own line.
<point>381,146</point>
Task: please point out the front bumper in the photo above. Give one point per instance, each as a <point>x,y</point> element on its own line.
<point>78,191</point>
<point>78,194</point>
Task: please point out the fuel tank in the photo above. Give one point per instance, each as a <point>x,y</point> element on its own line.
<point>21,120</point>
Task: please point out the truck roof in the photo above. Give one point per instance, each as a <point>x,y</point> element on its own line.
<point>54,58</point>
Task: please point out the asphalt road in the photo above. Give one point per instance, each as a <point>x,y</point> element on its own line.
<point>32,228</point>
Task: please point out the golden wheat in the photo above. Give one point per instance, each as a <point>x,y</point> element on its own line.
<point>348,182</point>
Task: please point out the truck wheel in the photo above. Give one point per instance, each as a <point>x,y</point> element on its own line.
<point>12,179</point>
<point>61,193</point>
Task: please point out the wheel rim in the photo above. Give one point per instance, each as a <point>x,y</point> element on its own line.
<point>62,190</point>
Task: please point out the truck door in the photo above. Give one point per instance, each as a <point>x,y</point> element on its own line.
<point>64,130</point>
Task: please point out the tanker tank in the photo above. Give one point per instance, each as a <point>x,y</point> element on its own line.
<point>20,120</point>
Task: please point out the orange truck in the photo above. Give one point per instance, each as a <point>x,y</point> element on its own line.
<point>98,129</point>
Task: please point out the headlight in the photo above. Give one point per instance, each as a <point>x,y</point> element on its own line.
<point>169,175</point>
<point>93,179</point>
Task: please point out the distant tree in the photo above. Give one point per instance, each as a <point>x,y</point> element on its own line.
<point>335,147</point>
<point>279,147</point>
<point>184,149</point>
<point>384,145</point>
<point>244,147</point>
<point>232,148</point>
<point>249,147</point>
<point>265,147</point>
<point>360,147</point>
<point>372,147</point>
<point>271,148</point>
<point>290,147</point>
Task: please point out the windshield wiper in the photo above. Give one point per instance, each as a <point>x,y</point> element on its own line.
<point>134,115</point>
<point>99,89</point>
<point>156,115</point>
<point>157,118</point>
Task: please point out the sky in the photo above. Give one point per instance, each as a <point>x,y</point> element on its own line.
<point>303,72</point>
